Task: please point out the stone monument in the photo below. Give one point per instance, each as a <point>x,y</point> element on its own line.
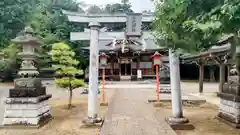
<point>165,78</point>
<point>229,110</point>
<point>27,103</point>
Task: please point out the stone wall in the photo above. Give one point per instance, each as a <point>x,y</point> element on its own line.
<point>230,110</point>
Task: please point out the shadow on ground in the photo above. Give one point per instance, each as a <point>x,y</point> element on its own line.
<point>202,117</point>
<point>65,121</point>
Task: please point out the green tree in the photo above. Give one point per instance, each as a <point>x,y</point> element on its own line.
<point>3,65</point>
<point>13,16</point>
<point>123,7</point>
<point>52,26</point>
<point>9,62</point>
<point>94,9</point>
<point>174,24</point>
<point>221,20</point>
<point>10,54</point>
<point>65,65</point>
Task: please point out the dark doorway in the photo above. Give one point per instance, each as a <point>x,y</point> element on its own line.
<point>128,69</point>
<point>125,69</point>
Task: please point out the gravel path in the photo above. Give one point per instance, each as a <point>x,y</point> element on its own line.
<point>130,114</point>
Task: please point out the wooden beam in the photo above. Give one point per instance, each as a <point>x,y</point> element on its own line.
<point>75,36</point>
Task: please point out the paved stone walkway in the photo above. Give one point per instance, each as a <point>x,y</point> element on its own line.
<point>130,114</point>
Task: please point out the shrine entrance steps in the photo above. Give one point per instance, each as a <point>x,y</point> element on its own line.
<point>129,113</point>
<point>125,78</point>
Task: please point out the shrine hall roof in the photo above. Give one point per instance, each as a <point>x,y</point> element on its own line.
<point>216,50</point>
<point>106,45</point>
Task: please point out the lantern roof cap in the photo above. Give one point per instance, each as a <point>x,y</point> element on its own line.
<point>26,37</point>
<point>102,54</point>
<point>156,54</point>
<point>28,30</point>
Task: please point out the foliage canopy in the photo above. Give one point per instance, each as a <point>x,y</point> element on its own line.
<point>195,25</point>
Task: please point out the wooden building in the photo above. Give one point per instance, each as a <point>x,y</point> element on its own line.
<point>125,62</point>
<point>219,55</point>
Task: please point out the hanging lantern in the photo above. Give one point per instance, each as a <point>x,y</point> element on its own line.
<point>157,59</point>
<point>103,59</point>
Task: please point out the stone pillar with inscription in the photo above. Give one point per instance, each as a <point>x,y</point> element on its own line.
<point>229,110</point>
<point>27,103</point>
<point>93,104</point>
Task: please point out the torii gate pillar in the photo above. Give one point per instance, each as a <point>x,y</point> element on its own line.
<point>93,105</point>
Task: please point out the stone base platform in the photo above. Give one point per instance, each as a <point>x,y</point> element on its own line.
<point>90,122</point>
<point>186,98</point>
<point>234,125</point>
<point>179,123</point>
<point>103,104</point>
<point>165,88</point>
<point>40,124</point>
<point>229,109</point>
<point>26,112</point>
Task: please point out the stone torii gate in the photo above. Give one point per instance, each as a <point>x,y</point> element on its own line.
<point>94,34</point>
<point>133,31</point>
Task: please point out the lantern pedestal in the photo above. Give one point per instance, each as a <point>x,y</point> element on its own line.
<point>27,104</point>
<point>27,112</point>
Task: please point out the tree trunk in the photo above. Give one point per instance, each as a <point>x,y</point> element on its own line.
<point>70,93</point>
<point>70,99</point>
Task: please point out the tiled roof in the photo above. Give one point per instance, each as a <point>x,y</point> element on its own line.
<point>106,45</point>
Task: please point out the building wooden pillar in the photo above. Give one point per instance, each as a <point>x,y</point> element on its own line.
<point>201,76</point>
<point>138,63</point>
<point>112,67</point>
<point>120,69</point>
<point>221,77</point>
<point>228,71</point>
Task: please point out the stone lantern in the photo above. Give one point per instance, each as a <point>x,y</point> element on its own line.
<point>157,62</point>
<point>229,110</point>
<point>103,63</point>
<point>103,59</point>
<point>157,59</point>
<point>27,102</point>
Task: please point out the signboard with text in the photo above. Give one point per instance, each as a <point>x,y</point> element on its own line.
<point>134,24</point>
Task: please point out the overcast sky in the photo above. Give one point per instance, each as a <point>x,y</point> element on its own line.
<point>138,5</point>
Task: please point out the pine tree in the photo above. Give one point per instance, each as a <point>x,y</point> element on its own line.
<point>65,65</point>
